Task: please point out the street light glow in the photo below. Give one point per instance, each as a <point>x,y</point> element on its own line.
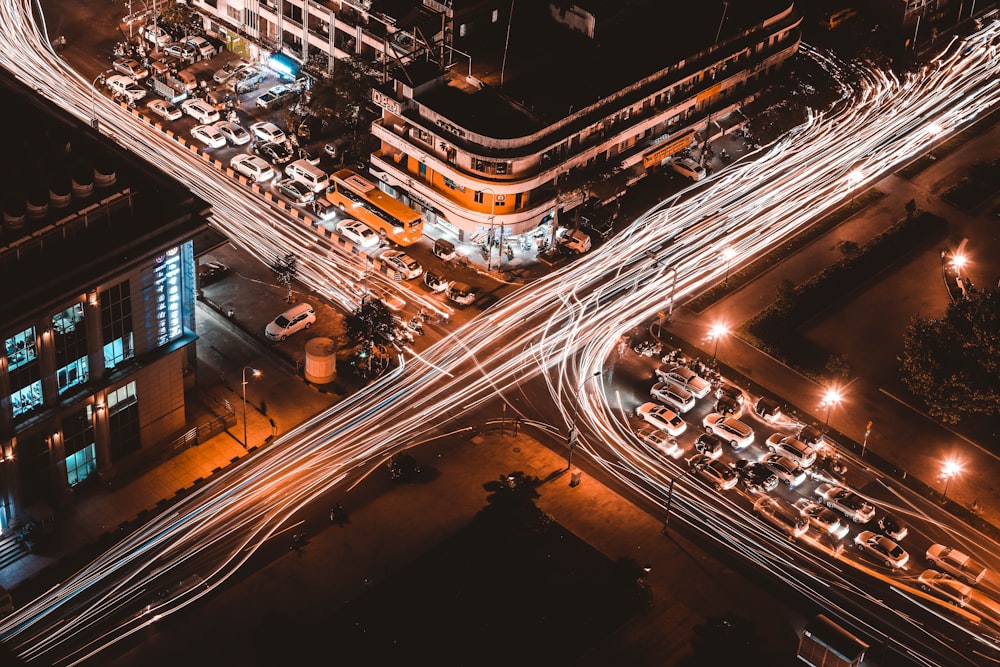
<point>951,468</point>
<point>958,261</point>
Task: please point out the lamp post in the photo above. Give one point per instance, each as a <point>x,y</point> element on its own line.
<point>831,398</point>
<point>959,260</point>
<point>950,469</point>
<point>717,331</point>
<point>493,203</point>
<point>853,178</point>
<point>728,253</point>
<point>255,373</point>
<point>573,433</point>
<point>93,97</point>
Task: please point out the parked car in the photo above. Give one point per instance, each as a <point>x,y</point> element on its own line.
<point>358,233</point>
<point>756,476</point>
<point>662,418</point>
<point>890,526</point>
<point>767,409</point>
<point>268,132</point>
<point>688,168</point>
<point>157,35</point>
<point>461,293</point>
<point>787,470</point>
<point>274,153</point>
<point>709,444</point>
<point>185,52</point>
<point>164,110</point>
<point>714,472</point>
<point>956,563</point>
<point>233,132</point>
<point>276,97</point>
<point>847,502</point>
<point>252,167</point>
<point>823,519</point>
<point>810,435</point>
<point>661,441</point>
<point>730,429</point>
<point>790,447</point>
<point>125,87</point>
<point>882,548</point>
<point>229,70</point>
<point>202,46</point>
<point>782,516</point>
<point>397,260</point>
<point>298,317</point>
<point>296,192</point>
<point>730,391</point>
<point>130,67</point>
<point>945,587</point>
<point>673,396</point>
<point>200,110</point>
<point>574,241</point>
<point>686,378</point>
<point>209,135</point>
<point>323,209</point>
<point>246,81</point>
<point>211,272</point>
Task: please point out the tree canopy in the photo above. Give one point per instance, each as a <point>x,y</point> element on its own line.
<point>953,363</point>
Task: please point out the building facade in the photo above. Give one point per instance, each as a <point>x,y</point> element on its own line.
<point>528,146</point>
<point>97,258</point>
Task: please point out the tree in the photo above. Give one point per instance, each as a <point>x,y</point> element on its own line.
<point>179,20</point>
<point>371,328</point>
<point>953,363</point>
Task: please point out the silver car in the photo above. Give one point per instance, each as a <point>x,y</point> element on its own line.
<point>686,378</point>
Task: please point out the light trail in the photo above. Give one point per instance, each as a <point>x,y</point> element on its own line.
<point>562,328</point>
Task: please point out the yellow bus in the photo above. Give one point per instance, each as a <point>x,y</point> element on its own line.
<point>361,199</point>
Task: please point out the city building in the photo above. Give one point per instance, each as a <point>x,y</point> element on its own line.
<point>97,321</point>
<point>495,114</point>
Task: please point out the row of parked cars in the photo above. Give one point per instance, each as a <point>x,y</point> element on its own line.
<point>832,508</point>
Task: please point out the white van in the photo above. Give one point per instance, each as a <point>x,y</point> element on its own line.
<point>203,46</point>
<point>200,110</point>
<point>308,174</point>
<point>126,87</point>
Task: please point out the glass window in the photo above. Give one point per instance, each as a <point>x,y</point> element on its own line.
<point>123,421</point>
<point>81,454</point>
<point>21,349</point>
<point>70,347</point>
<point>25,387</point>
<point>116,324</point>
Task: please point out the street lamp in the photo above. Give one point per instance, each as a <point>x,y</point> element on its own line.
<point>728,253</point>
<point>959,260</point>
<point>572,434</point>
<point>256,374</point>
<point>93,97</point>
<point>717,331</point>
<point>950,469</point>
<point>853,178</point>
<point>831,398</point>
<point>493,203</point>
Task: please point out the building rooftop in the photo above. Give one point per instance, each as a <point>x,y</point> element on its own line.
<point>547,71</point>
<point>76,207</point>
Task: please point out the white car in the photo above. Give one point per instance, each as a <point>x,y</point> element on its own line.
<point>269,132</point>
<point>792,448</point>
<point>156,35</point>
<point>662,442</point>
<point>200,110</point>
<point>233,132</point>
<point>164,110</point>
<point>209,135</point>
<point>673,396</point>
<point>956,563</point>
<point>255,168</point>
<point>787,470</point>
<point>945,587</point>
<point>358,233</point>
<point>294,191</point>
<point>730,429</point>
<point>847,502</point>
<point>688,168</point>
<point>882,548</point>
<point>399,261</point>
<point>130,67</point>
<point>229,70</point>
<point>296,318</point>
<point>662,418</point>
<point>686,378</point>
<point>125,87</point>
<point>823,519</point>
<point>714,472</point>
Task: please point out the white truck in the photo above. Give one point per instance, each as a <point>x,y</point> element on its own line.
<point>954,562</point>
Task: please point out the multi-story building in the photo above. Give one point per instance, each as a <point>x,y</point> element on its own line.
<point>97,318</point>
<point>494,111</point>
